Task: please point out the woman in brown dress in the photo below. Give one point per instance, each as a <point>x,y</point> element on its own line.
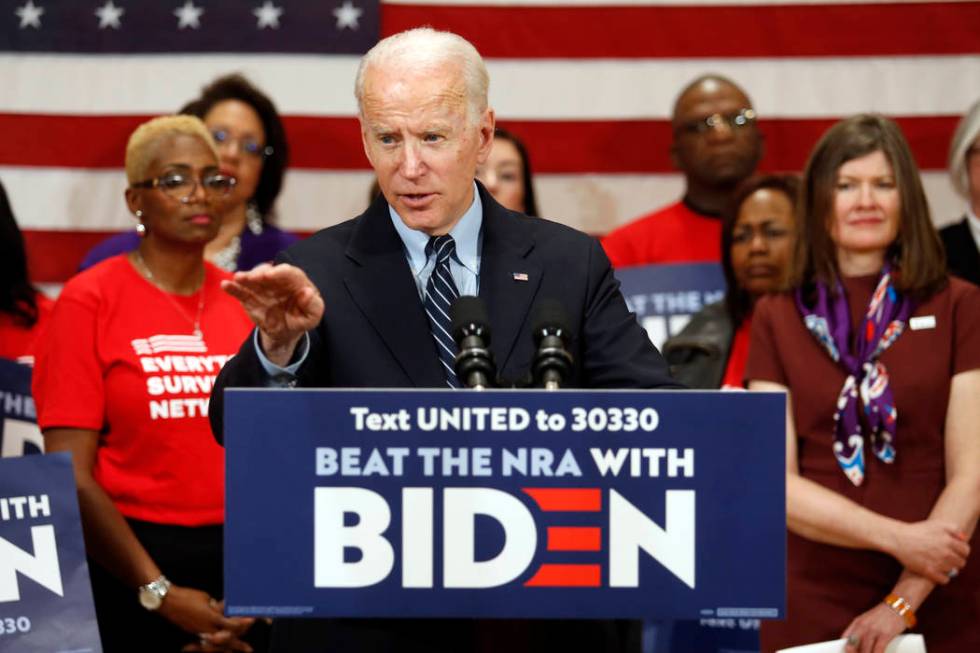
<point>879,352</point>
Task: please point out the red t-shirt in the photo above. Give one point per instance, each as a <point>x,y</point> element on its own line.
<point>120,357</point>
<point>738,356</point>
<point>18,342</point>
<point>673,234</point>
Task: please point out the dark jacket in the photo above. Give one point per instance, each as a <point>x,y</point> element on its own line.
<point>962,255</point>
<point>375,334</point>
<point>698,355</point>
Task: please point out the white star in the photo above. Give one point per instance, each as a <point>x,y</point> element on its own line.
<point>109,15</point>
<point>347,15</point>
<point>268,15</point>
<point>188,15</point>
<point>30,16</point>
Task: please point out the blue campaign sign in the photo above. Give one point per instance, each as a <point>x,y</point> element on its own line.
<point>664,297</point>
<point>504,504</point>
<point>19,434</point>
<point>45,592</point>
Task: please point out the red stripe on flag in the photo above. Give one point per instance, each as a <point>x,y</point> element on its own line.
<point>566,499</point>
<point>566,576</point>
<point>574,538</point>
<point>702,31</point>
<point>53,256</point>
<point>560,146</point>
<point>100,141</point>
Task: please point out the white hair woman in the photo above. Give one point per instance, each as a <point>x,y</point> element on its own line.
<point>962,239</point>
<point>122,382</point>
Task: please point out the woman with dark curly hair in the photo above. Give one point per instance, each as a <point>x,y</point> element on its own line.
<point>23,310</point>
<point>757,237</point>
<point>252,148</point>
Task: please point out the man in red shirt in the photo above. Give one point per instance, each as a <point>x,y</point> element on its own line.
<point>716,145</point>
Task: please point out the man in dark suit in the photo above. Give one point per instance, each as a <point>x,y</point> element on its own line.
<point>963,248</point>
<point>350,306</point>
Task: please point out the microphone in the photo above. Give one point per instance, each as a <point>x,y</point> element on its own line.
<point>552,362</point>
<point>471,331</point>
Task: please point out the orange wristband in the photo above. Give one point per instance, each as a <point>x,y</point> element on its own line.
<point>903,608</point>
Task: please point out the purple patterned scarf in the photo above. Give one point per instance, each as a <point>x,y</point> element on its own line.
<point>830,323</point>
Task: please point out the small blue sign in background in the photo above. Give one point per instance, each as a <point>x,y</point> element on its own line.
<point>34,616</point>
<point>19,434</point>
<point>664,297</point>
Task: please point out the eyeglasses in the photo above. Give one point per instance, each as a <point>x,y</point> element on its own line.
<point>734,121</point>
<point>247,145</point>
<point>181,186</point>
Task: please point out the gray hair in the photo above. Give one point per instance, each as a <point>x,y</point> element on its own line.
<point>966,134</point>
<point>425,47</point>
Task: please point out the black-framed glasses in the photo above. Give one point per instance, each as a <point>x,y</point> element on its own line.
<point>247,145</point>
<point>181,186</point>
<point>734,121</point>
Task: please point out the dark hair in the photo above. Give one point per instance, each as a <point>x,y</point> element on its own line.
<point>236,87</point>
<point>17,295</point>
<point>530,203</point>
<point>917,251</point>
<point>738,302</point>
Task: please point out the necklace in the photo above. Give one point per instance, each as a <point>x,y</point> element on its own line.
<point>145,269</point>
<point>227,257</point>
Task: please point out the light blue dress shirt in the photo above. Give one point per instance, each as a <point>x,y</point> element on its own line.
<point>464,267</point>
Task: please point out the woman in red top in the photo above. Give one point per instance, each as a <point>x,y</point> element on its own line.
<point>879,353</point>
<point>23,310</point>
<point>122,382</point>
<point>757,238</point>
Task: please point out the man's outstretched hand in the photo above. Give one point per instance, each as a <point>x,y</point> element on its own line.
<point>283,303</point>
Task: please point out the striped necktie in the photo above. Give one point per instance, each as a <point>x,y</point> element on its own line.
<point>440,293</point>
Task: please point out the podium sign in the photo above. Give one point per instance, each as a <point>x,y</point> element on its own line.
<point>45,592</point>
<point>440,503</point>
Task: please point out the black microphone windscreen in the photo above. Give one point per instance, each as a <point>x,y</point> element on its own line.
<point>549,314</point>
<point>468,310</point>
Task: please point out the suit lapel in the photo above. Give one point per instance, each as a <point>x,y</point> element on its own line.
<point>966,253</point>
<point>381,284</point>
<point>509,279</point>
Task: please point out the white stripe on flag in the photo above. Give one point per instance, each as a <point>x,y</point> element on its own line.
<point>520,89</point>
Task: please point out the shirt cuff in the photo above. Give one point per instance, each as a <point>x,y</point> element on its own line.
<point>283,376</point>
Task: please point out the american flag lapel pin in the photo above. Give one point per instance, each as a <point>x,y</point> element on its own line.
<point>520,276</point>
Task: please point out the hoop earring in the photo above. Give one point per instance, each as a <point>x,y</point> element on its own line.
<point>140,227</point>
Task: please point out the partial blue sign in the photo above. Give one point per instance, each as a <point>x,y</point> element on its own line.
<point>45,592</point>
<point>664,297</point>
<point>19,434</point>
<point>525,504</point>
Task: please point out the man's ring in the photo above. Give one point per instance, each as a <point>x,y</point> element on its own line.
<point>212,602</point>
<point>953,573</point>
<point>853,640</point>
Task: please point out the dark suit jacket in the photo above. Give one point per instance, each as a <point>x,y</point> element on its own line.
<point>375,334</point>
<point>962,255</point>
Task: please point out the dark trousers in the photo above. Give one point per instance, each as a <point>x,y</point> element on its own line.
<point>187,556</point>
<point>454,636</point>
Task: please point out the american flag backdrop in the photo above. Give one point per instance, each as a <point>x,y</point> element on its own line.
<point>588,84</point>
